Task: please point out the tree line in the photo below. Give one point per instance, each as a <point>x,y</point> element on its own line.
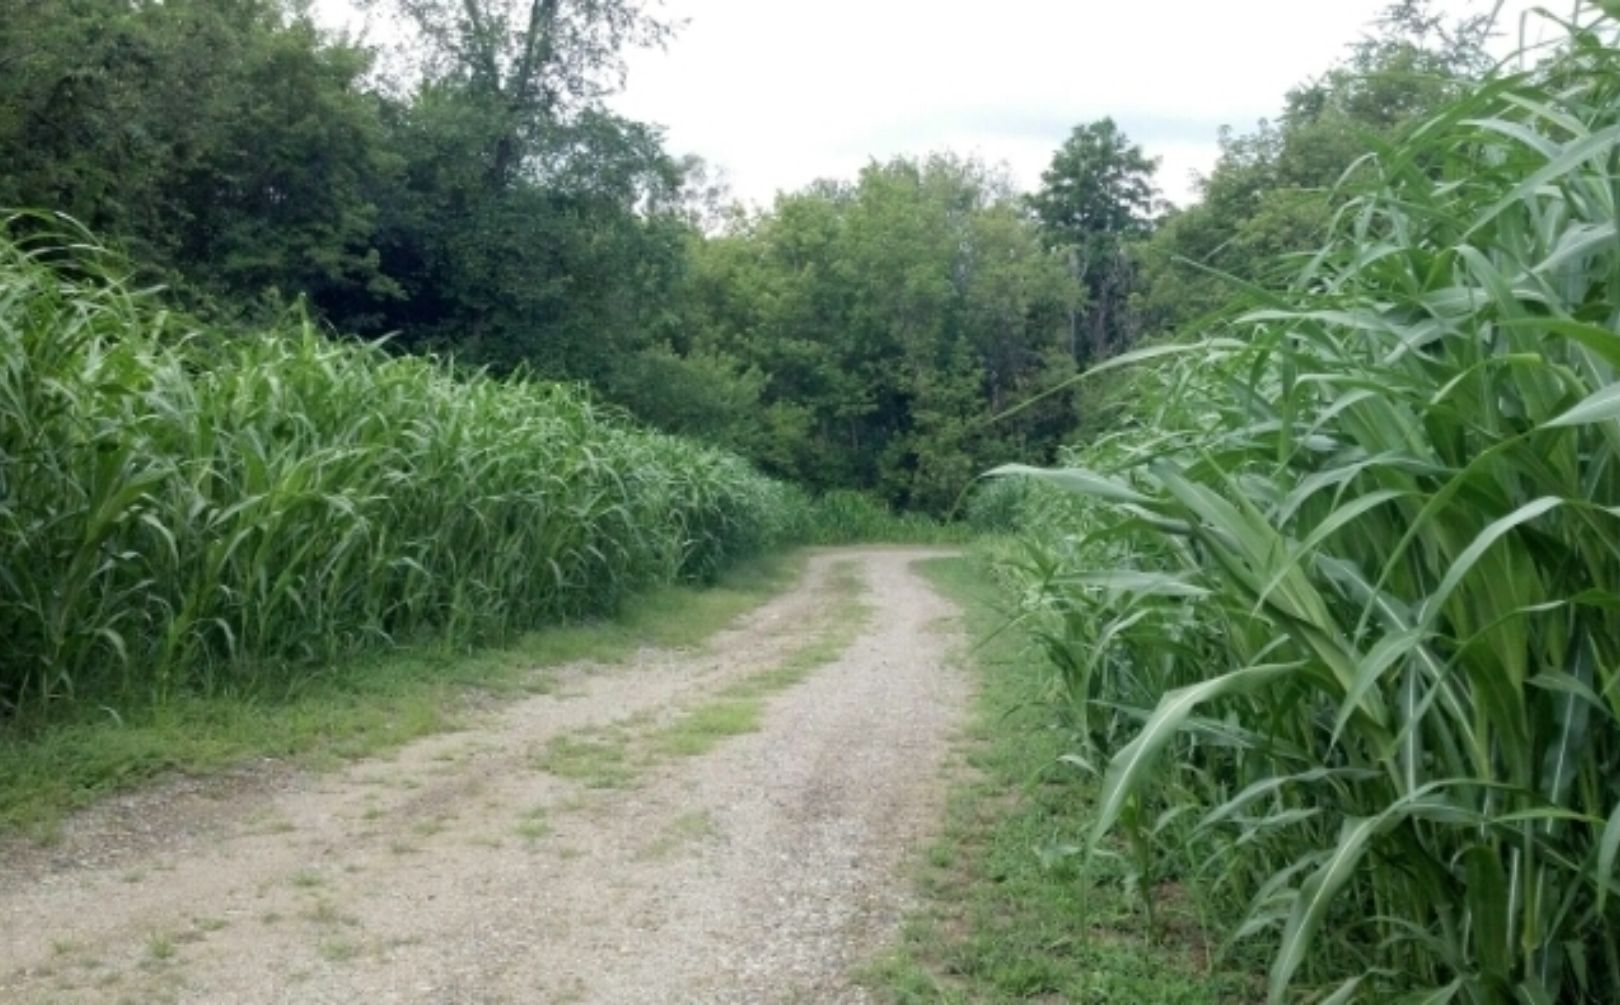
<point>898,332</point>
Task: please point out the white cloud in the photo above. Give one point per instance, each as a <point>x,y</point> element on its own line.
<point>780,93</point>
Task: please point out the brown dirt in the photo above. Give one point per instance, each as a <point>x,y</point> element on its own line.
<point>459,871</point>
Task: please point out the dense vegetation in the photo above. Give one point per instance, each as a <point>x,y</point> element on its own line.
<point>183,511</point>
<point>478,198</point>
<point>894,318</point>
<point>1324,580</point>
<point>1331,602</point>
<point>471,194</point>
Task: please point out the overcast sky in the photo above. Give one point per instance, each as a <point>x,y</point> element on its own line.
<point>781,92</point>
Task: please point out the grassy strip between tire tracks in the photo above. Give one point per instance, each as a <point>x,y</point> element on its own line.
<point>362,708</point>
<point>616,756</point>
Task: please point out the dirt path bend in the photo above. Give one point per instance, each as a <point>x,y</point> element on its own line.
<point>566,848</point>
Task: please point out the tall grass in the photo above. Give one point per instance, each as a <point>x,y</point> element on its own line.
<point>1334,611</point>
<point>844,516</point>
<point>185,509</point>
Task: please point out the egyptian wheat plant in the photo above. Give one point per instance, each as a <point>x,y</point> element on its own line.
<point>1335,612</point>
<point>184,509</point>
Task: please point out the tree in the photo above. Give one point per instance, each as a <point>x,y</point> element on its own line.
<point>530,226</point>
<point>527,66</point>
<point>225,141</point>
<point>1270,193</point>
<point>1096,198</point>
<point>892,318</point>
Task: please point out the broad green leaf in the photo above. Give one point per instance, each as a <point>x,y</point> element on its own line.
<point>1077,480</point>
<point>1600,406</point>
<point>1127,769</point>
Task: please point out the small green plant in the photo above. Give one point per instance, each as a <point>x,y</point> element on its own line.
<point>688,829</point>
<point>325,912</point>
<point>161,948</point>
<point>534,825</point>
<point>598,763</point>
<point>706,726</point>
<point>338,950</point>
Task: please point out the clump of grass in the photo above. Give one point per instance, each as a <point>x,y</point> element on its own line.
<point>682,832</point>
<point>325,912</point>
<point>598,763</point>
<point>1334,611</point>
<point>161,948</point>
<point>338,950</point>
<point>534,824</point>
<point>705,727</point>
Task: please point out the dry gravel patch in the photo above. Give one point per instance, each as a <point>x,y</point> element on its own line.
<point>766,869</point>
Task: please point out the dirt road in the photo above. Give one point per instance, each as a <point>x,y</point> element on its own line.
<point>724,825</point>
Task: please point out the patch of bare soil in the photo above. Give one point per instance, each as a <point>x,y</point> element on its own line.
<point>463,871</point>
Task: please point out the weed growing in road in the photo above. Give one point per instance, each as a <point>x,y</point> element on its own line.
<point>534,825</point>
<point>703,728</point>
<point>161,947</point>
<point>597,763</point>
<point>338,950</point>
<point>682,832</point>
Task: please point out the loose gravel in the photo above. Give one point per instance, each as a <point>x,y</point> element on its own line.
<point>768,869</point>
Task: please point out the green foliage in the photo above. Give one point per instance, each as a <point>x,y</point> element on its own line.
<point>1332,607</point>
<point>488,205</point>
<point>184,510</point>
<point>1095,198</point>
<point>483,202</point>
<point>227,142</point>
<point>1272,193</point>
<point>849,517</point>
<point>891,318</point>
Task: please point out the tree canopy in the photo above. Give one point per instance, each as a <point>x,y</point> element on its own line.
<point>898,332</point>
